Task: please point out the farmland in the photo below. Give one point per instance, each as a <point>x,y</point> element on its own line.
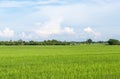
<point>60,62</point>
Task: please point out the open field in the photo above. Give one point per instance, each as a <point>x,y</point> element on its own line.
<point>60,62</point>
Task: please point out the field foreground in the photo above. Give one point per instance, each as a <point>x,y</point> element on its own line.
<point>60,62</point>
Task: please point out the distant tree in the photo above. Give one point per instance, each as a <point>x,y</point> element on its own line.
<point>89,41</point>
<point>32,42</point>
<point>102,42</point>
<point>113,42</point>
<point>20,42</point>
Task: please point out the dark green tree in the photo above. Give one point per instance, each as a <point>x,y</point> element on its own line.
<point>89,41</point>
<point>113,42</point>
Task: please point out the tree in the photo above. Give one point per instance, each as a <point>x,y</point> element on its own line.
<point>89,41</point>
<point>113,42</point>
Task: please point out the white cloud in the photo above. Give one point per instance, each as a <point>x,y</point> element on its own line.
<point>88,30</point>
<point>81,13</point>
<point>9,4</point>
<point>23,36</point>
<point>98,13</point>
<point>91,31</point>
<point>8,33</point>
<point>53,27</point>
<point>69,30</point>
<point>50,2</point>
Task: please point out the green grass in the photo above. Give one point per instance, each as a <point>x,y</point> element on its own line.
<point>60,62</point>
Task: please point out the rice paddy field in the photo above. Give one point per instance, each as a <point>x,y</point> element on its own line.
<point>60,62</point>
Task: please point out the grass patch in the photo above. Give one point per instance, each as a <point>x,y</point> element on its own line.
<point>60,62</point>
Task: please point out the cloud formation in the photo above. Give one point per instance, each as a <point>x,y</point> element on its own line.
<point>47,14</point>
<point>91,31</point>
<point>18,4</point>
<point>12,4</point>
<point>24,36</point>
<point>7,33</point>
<point>53,27</point>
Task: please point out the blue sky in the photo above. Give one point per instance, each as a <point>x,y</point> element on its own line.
<point>72,20</point>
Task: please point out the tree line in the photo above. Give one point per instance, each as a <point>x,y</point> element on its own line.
<point>109,42</point>
<point>45,42</point>
<point>56,42</point>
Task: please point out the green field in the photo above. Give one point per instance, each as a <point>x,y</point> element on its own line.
<point>60,62</point>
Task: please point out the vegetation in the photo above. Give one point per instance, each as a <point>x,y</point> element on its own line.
<point>113,42</point>
<point>89,41</point>
<point>46,42</point>
<point>93,61</point>
<point>56,42</point>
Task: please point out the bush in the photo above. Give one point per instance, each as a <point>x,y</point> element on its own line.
<point>113,42</point>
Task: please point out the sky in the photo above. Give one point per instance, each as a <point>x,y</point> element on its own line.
<point>70,20</point>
